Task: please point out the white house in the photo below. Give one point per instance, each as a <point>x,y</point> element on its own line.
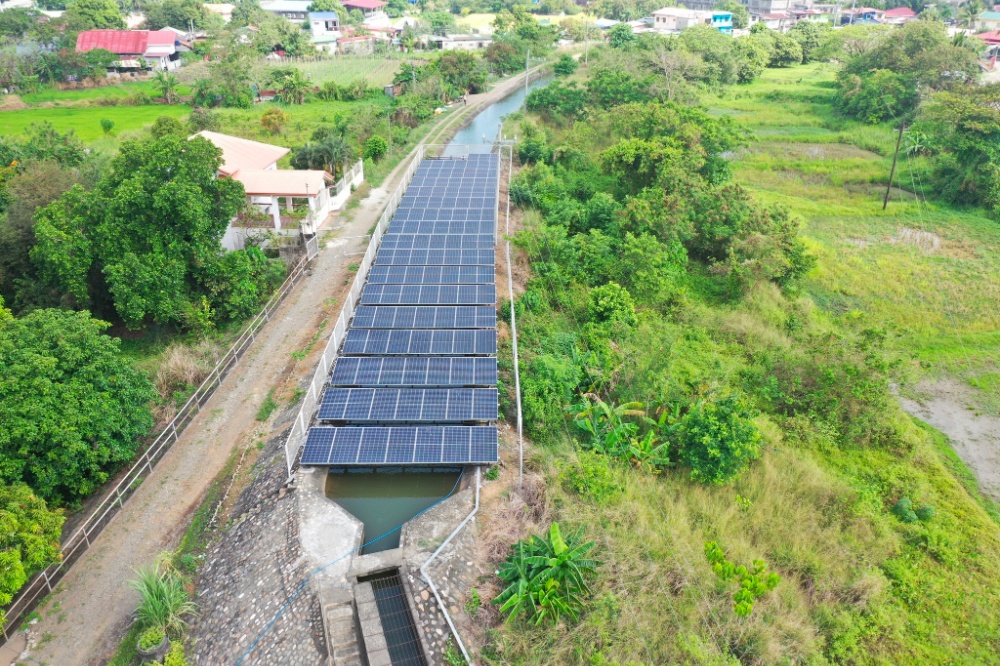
<point>157,48</point>
<point>293,10</point>
<point>280,193</point>
<point>461,42</point>
<point>675,19</point>
<point>370,8</point>
<point>325,30</point>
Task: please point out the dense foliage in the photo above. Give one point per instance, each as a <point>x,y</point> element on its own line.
<point>144,244</point>
<point>29,538</point>
<point>72,407</point>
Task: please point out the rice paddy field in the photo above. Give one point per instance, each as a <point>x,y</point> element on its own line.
<point>86,121</point>
<point>926,271</point>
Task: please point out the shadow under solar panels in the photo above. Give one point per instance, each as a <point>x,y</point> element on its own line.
<point>422,445</point>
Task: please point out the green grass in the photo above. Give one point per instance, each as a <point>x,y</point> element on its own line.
<point>378,71</point>
<point>267,407</point>
<point>117,91</point>
<point>938,297</point>
<point>86,122</point>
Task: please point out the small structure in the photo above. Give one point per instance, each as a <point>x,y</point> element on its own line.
<point>357,45</point>
<point>325,30</point>
<point>988,21</point>
<point>899,15</point>
<point>309,196</point>
<point>370,8</point>
<point>780,21</point>
<point>223,9</point>
<point>859,15</point>
<point>461,42</point>
<point>293,10</point>
<point>812,15</point>
<point>157,48</point>
<point>675,19</point>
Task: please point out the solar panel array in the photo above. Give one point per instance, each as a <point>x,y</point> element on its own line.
<point>415,383</point>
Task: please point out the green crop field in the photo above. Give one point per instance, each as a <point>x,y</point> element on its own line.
<point>376,70</point>
<point>927,271</point>
<point>86,122</point>
<point>118,91</point>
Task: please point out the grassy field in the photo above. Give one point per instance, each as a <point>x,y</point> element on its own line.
<point>86,122</point>
<point>378,71</point>
<point>116,91</point>
<point>927,271</point>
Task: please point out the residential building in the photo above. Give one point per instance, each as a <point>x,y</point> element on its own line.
<point>295,200</point>
<point>370,8</point>
<point>699,5</point>
<point>325,30</point>
<point>899,15</point>
<point>860,15</point>
<point>780,21</point>
<point>461,42</point>
<point>988,21</point>
<point>293,10</point>
<point>811,15</point>
<point>675,19</point>
<point>357,45</point>
<point>135,48</point>
<point>762,7</point>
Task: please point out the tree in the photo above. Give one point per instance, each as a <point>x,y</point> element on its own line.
<point>753,53</point>
<point>968,12</point>
<point>293,85</point>
<point>93,15</point>
<point>375,148</point>
<point>565,66</point>
<point>439,23</point>
<point>150,229</point>
<point>677,66</point>
<point>71,404</point>
<point>29,538</point>
<point>810,35</point>
<point>786,51</point>
<point>177,14</point>
<point>462,70</point>
<point>718,439</point>
<point>621,36</point>
<point>167,126</point>
<point>247,12</point>
<point>16,22</point>
<point>166,84</point>
<point>328,150</point>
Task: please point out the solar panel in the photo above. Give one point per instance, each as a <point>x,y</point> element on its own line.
<point>377,341</point>
<point>388,316</point>
<point>443,227</point>
<point>427,445</point>
<point>412,294</point>
<point>383,405</point>
<point>371,371</point>
<point>432,275</point>
<point>427,257</point>
<point>392,241</point>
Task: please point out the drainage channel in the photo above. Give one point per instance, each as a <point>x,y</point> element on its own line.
<point>393,639</point>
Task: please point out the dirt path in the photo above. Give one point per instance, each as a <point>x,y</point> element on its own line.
<point>945,404</point>
<point>91,608</point>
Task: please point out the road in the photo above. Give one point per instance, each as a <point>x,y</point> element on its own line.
<point>91,609</point>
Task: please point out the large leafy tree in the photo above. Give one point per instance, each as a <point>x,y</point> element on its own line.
<point>143,239</point>
<point>72,407</point>
<point>180,14</point>
<point>29,538</point>
<point>93,15</point>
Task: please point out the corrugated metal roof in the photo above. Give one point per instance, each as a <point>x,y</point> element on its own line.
<point>364,4</point>
<point>323,16</point>
<point>126,42</point>
<point>283,183</point>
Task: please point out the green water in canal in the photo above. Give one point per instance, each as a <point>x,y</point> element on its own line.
<point>384,499</point>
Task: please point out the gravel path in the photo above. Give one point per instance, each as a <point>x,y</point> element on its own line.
<point>91,609</point>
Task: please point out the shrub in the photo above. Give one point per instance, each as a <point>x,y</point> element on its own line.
<point>167,126</point>
<point>925,513</point>
<point>151,638</point>
<point>107,125</point>
<point>718,439</point>
<point>903,509</point>
<point>592,477</point>
<point>165,602</point>
<point>176,656</point>
<point>203,119</point>
<point>274,120</point>
<point>565,66</point>
<point>754,582</point>
<point>375,148</point>
<point>611,303</point>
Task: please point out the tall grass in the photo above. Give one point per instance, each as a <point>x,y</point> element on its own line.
<point>164,601</point>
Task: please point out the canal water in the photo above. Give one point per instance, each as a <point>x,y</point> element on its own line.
<point>386,498</point>
<point>486,125</point>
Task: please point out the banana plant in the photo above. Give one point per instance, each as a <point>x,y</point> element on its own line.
<point>649,453</point>
<point>605,423</point>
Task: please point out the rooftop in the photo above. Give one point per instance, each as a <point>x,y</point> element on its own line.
<point>242,154</point>
<point>364,4</point>
<point>323,16</point>
<point>900,12</point>
<point>282,183</point>
<point>123,42</point>
<point>990,16</point>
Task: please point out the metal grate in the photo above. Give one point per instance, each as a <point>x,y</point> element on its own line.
<point>397,623</point>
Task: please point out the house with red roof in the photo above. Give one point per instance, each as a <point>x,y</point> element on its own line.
<point>370,8</point>
<point>899,15</point>
<point>135,48</point>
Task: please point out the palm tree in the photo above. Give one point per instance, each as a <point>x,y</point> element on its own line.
<point>969,12</point>
<point>293,87</point>
<point>167,84</point>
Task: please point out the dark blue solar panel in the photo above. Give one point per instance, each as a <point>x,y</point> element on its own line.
<point>408,405</point>
<point>373,371</point>
<point>437,257</point>
<point>401,445</point>
<point>392,241</point>
<point>445,342</point>
<point>431,275</point>
<point>444,227</point>
<point>407,294</point>
<point>388,316</point>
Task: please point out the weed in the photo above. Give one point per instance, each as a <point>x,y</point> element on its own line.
<point>353,268</point>
<point>473,603</point>
<point>452,655</point>
<point>267,407</point>
<point>297,394</point>
<point>493,473</point>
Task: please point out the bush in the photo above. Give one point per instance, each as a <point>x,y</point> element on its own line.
<point>611,303</point>
<point>176,656</point>
<point>167,126</point>
<point>565,66</point>
<point>592,477</point>
<point>274,120</point>
<point>718,439</point>
<point>375,148</point>
<point>107,125</point>
<point>151,638</point>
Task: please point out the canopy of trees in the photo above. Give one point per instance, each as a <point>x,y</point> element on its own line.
<point>72,407</point>
<point>93,15</point>
<point>144,244</point>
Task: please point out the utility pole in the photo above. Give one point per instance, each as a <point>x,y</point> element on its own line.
<point>586,42</point>
<point>892,172</point>
<point>527,60</point>
<point>388,119</point>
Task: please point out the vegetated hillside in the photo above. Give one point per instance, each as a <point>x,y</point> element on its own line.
<point>689,376</point>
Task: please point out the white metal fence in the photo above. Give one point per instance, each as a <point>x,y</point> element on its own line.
<point>310,402</point>
<point>78,543</point>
